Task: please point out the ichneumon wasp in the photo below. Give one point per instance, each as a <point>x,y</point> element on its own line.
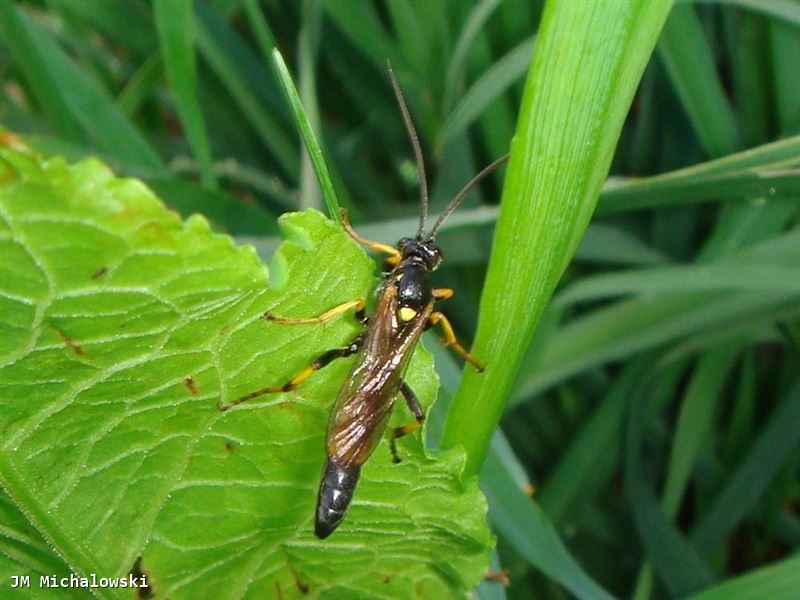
<point>405,308</point>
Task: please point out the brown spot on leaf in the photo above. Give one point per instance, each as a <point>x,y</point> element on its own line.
<point>138,572</point>
<point>301,585</point>
<point>278,590</point>
<point>190,385</point>
<point>101,272</point>
<point>229,446</point>
<point>71,343</point>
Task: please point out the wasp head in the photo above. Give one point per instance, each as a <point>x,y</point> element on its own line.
<point>426,251</point>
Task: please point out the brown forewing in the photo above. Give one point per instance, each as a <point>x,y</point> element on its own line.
<point>365,401</point>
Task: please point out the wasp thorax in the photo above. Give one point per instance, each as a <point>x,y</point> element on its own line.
<point>427,251</point>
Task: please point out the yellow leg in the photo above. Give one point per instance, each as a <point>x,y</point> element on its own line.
<point>394,253</point>
<point>399,432</point>
<point>438,318</point>
<point>322,361</point>
<point>358,304</point>
<point>443,293</point>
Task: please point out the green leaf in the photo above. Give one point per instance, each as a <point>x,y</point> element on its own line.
<point>586,67</point>
<point>124,328</point>
<point>23,553</point>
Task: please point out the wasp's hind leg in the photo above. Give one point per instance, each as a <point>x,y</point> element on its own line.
<point>358,304</point>
<point>415,407</point>
<point>323,360</point>
<point>438,318</point>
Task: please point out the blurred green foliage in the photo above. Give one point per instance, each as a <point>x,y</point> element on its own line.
<point>656,410</point>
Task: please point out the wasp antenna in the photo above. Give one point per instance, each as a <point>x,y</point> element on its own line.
<point>488,170</point>
<point>412,135</point>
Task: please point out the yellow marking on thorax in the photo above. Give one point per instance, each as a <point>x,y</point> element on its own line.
<point>406,314</point>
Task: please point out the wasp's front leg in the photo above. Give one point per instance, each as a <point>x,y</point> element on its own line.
<point>322,361</point>
<point>358,304</point>
<point>394,253</point>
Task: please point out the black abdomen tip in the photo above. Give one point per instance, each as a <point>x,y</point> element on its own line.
<point>335,493</point>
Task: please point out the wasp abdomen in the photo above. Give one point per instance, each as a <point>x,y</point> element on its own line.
<point>335,493</point>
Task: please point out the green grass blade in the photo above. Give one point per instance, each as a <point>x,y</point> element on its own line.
<point>785,10</point>
<point>20,40</point>
<point>83,97</point>
<point>310,140</point>
<point>691,68</point>
<point>768,171</point>
<point>694,422</point>
<point>491,85</point>
<point>695,419</point>
<point>785,43</point>
<point>307,63</point>
<point>678,565</point>
<point>175,24</point>
<point>478,16</point>
<point>631,326</point>
<point>412,39</point>
<point>752,75</point>
<point>141,85</point>
<point>233,76</point>
<point>261,29</point>
<point>599,437</point>
<point>713,277</point>
<point>576,99</point>
<point>776,443</point>
<point>125,23</point>
<point>360,22</point>
<point>742,416</point>
<point>777,581</point>
<point>525,526</point>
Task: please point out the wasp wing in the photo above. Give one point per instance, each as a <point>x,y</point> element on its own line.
<point>365,401</point>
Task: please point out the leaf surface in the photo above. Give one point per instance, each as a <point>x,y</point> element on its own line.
<point>123,329</point>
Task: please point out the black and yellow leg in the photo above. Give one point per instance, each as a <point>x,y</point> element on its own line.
<point>358,304</point>
<point>438,318</point>
<point>443,293</point>
<point>416,409</point>
<point>323,360</point>
<point>394,253</point>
